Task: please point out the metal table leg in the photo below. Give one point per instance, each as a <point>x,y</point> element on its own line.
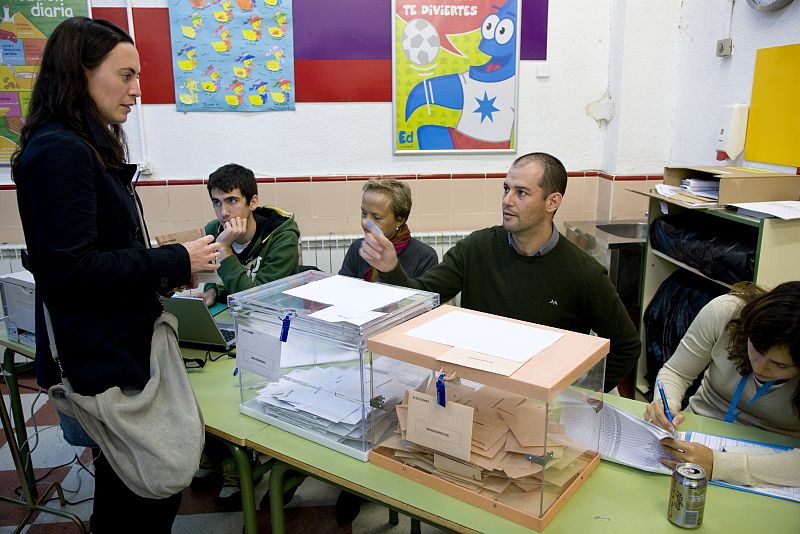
<point>246,486</point>
<point>19,420</point>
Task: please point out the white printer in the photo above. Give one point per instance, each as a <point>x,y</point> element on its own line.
<point>18,291</point>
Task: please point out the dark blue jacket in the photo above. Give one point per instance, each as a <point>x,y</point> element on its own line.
<point>87,253</point>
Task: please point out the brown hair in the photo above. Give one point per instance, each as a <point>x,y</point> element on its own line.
<point>61,92</point>
<point>767,320</point>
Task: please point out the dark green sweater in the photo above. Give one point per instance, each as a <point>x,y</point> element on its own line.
<point>565,288</point>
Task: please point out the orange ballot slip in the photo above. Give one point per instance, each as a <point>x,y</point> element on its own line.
<point>447,429</point>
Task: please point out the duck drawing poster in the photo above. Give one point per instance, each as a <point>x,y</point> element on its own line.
<point>455,70</point>
<point>232,55</point>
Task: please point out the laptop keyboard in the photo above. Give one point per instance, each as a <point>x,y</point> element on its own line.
<point>229,335</point>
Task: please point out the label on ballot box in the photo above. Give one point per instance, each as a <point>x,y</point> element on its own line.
<point>446,429</point>
<point>258,352</point>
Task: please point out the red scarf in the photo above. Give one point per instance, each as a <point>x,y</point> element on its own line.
<point>400,241</point>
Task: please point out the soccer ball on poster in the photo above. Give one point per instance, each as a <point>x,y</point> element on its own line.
<point>420,42</point>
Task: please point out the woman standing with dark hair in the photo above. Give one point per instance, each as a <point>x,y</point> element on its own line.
<point>86,241</point>
<point>750,341</point>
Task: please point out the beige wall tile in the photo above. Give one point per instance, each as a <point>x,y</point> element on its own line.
<point>431,222</point>
<point>467,196</point>
<point>626,204</point>
<point>602,216</point>
<point>573,198</point>
<point>155,200</point>
<point>189,202</point>
<point>9,213</point>
<point>604,190</point>
<point>354,224</point>
<point>352,192</point>
<point>590,193</point>
<point>492,195</point>
<point>492,219</point>
<point>304,223</point>
<point>431,197</point>
<point>266,195</point>
<point>329,225</point>
<point>329,199</point>
<point>12,235</point>
<point>466,221</point>
<point>294,197</point>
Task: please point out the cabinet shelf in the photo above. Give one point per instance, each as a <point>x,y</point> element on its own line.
<point>682,265</point>
<point>777,251</point>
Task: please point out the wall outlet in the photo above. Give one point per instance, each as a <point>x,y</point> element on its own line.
<point>724,47</point>
<point>146,168</point>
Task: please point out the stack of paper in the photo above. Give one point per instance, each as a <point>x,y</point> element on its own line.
<point>703,188</point>
<point>328,401</point>
<point>508,442</point>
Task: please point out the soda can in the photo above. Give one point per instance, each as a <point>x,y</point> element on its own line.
<point>687,495</point>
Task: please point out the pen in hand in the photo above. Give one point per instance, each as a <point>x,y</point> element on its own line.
<point>661,392</point>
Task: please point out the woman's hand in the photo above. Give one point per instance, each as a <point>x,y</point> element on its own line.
<point>376,250</point>
<point>654,413</point>
<point>686,452</point>
<point>202,253</point>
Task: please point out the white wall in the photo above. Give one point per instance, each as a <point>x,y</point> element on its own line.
<point>705,82</point>
<point>655,58</point>
<point>331,138</point>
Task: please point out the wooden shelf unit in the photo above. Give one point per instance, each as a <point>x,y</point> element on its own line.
<point>777,258</point>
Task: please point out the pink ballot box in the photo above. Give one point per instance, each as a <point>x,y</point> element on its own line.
<point>506,417</point>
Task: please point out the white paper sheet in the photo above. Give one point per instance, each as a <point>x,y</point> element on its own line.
<point>351,293</point>
<point>258,352</point>
<point>787,209</point>
<point>624,438</point>
<point>338,314</point>
<point>504,339</point>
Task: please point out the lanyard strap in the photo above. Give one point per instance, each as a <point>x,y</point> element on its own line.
<point>732,413</point>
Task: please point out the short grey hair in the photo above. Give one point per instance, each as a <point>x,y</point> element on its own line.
<point>399,192</point>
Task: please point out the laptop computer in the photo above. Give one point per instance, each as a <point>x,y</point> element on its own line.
<point>197,327</point>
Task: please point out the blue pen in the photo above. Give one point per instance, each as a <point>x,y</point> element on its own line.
<point>374,228</point>
<point>660,387</point>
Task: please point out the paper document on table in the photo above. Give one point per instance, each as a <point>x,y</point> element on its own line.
<point>480,360</point>
<point>339,314</point>
<point>350,292</point>
<point>624,438</point>
<point>738,446</point>
<point>787,209</point>
<point>497,337</point>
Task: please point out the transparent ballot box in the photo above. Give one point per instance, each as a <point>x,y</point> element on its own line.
<point>507,416</point>
<point>303,362</point>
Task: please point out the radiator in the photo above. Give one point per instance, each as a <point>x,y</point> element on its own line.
<point>327,252</point>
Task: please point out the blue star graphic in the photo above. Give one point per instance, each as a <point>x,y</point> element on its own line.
<point>486,107</point>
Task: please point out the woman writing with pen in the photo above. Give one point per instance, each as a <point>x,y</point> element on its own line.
<point>750,341</point>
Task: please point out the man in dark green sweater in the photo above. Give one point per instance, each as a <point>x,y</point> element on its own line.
<point>525,269</point>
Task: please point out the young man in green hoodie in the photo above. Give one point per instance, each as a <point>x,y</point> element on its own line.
<point>259,244</point>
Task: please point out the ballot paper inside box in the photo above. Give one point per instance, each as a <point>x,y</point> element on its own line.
<point>517,443</point>
<point>303,362</point>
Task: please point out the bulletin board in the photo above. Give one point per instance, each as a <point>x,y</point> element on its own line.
<point>773,126</point>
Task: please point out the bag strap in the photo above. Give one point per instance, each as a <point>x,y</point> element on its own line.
<point>52,339</point>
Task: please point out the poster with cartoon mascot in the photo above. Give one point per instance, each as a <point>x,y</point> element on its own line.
<point>455,75</point>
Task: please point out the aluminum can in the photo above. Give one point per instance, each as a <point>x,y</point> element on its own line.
<point>687,496</point>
